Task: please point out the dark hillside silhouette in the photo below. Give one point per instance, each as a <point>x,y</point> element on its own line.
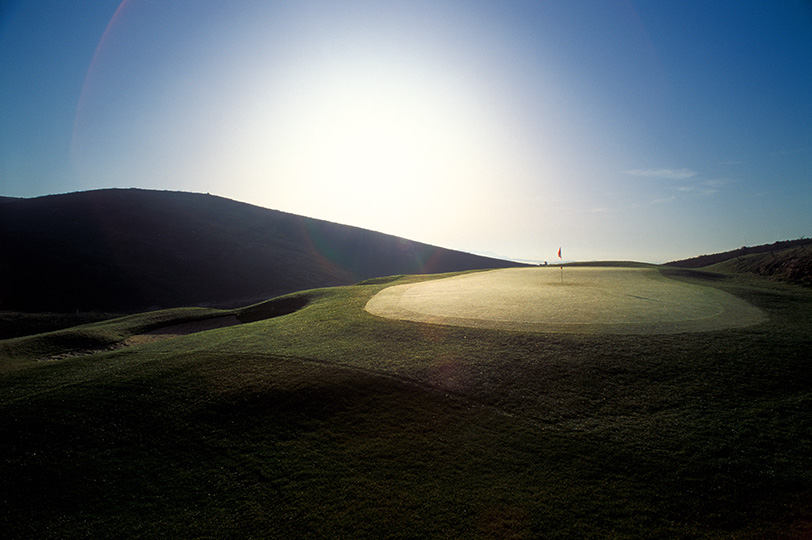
<point>706,260</point>
<point>130,249</point>
<point>789,260</point>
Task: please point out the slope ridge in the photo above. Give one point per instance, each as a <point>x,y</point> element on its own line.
<point>132,249</point>
<point>789,260</point>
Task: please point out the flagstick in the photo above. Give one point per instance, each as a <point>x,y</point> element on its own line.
<point>562,274</point>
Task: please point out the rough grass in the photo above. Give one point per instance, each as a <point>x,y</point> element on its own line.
<point>330,422</point>
<point>793,264</point>
<point>103,335</point>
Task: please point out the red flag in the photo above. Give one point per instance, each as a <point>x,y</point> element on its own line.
<point>559,253</point>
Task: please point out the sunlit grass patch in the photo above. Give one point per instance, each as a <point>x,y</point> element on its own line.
<point>576,299</point>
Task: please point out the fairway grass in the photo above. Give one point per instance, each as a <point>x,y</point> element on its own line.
<point>321,420</point>
<point>586,300</point>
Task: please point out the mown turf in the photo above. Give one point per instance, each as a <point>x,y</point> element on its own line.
<point>590,300</point>
<point>329,422</point>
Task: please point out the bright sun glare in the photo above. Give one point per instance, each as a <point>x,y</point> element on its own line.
<point>398,135</point>
<point>508,128</point>
<point>366,139</point>
<point>389,146</point>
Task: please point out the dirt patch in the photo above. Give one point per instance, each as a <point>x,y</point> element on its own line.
<point>80,352</point>
<point>276,307</point>
<point>159,334</point>
<point>182,329</point>
<point>194,327</point>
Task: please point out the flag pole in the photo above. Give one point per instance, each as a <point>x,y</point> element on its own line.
<point>562,266</point>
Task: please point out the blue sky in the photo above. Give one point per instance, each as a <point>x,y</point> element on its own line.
<point>643,130</point>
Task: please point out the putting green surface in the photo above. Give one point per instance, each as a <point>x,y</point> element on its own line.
<point>590,300</point>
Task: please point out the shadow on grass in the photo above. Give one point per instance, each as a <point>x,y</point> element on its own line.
<point>331,422</point>
<point>276,307</point>
<point>701,275</point>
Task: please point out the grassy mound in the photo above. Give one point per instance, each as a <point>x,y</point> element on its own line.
<point>329,422</point>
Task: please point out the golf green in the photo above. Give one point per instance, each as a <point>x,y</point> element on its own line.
<point>576,299</point>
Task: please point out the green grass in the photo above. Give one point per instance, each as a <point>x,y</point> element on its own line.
<point>18,352</point>
<point>324,421</point>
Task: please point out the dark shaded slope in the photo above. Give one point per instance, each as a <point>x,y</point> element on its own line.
<point>793,264</point>
<point>789,260</point>
<point>124,250</point>
<point>714,258</point>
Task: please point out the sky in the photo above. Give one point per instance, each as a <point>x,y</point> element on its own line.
<point>614,129</point>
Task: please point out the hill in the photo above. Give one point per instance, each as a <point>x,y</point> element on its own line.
<point>789,260</point>
<point>315,419</point>
<point>125,250</point>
